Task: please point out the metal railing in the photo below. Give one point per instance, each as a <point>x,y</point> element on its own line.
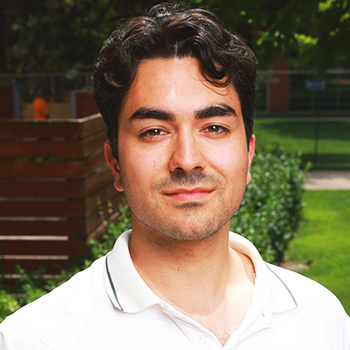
<point>306,91</point>
<point>323,140</point>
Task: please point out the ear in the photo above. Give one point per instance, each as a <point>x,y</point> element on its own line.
<point>251,152</point>
<point>114,165</point>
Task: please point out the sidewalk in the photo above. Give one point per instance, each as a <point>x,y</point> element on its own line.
<point>328,180</point>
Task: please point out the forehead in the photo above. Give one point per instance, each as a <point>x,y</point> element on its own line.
<point>175,84</point>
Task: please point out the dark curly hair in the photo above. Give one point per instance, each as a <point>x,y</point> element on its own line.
<point>168,31</point>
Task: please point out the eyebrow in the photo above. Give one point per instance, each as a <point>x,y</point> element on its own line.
<point>221,110</point>
<point>149,113</point>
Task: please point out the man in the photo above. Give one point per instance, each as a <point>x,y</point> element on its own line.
<point>41,104</point>
<point>177,93</point>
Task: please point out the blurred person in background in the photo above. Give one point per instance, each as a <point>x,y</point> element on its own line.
<point>41,104</point>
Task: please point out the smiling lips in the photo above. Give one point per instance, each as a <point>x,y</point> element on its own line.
<point>189,195</point>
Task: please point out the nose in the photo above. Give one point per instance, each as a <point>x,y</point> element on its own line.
<point>186,155</point>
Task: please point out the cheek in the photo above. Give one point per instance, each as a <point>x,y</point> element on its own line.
<point>229,161</point>
<point>141,168</point>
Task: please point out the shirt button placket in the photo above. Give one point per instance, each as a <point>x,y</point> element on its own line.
<point>203,340</point>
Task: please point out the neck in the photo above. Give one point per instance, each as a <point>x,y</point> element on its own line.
<point>204,279</point>
<point>185,273</point>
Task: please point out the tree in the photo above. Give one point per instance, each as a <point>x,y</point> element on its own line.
<point>59,36</point>
<point>313,33</point>
<point>65,35</point>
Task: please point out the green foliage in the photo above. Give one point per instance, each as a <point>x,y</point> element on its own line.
<point>313,33</point>
<point>59,36</point>
<point>31,286</point>
<point>8,304</point>
<point>112,230</point>
<point>301,30</point>
<point>272,206</point>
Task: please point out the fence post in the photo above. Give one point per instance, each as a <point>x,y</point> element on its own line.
<point>16,102</point>
<point>73,104</point>
<point>279,89</point>
<point>317,132</point>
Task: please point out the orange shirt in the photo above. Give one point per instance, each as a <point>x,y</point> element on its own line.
<point>41,109</point>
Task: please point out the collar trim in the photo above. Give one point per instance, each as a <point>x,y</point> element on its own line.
<point>285,286</point>
<point>112,285</point>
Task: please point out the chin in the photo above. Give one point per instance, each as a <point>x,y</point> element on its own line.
<point>188,232</point>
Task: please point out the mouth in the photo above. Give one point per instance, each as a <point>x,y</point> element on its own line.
<point>189,195</point>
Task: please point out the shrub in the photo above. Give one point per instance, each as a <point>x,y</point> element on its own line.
<point>112,231</point>
<point>272,206</point>
<point>8,304</point>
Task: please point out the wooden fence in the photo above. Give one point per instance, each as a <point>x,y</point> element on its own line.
<point>51,174</point>
<point>85,104</point>
<point>6,102</point>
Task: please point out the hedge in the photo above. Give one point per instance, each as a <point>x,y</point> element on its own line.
<point>272,207</point>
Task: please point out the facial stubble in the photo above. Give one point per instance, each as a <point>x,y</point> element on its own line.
<point>193,220</point>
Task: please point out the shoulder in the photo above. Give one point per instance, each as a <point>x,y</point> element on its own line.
<point>315,304</point>
<point>64,308</point>
<point>303,289</point>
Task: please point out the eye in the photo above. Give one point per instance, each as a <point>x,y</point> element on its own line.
<point>216,129</point>
<point>152,133</point>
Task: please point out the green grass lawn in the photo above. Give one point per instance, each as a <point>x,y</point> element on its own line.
<point>324,239</point>
<point>332,150</point>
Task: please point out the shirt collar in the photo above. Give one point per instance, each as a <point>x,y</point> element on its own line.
<point>128,292</point>
<point>271,291</point>
<point>125,287</point>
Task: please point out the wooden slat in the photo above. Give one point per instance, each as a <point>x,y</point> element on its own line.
<point>47,208</point>
<point>6,109</point>
<point>55,188</point>
<point>6,101</point>
<point>92,125</point>
<point>17,129</point>
<point>69,128</point>
<point>5,91</point>
<point>41,188</point>
<point>77,227</point>
<point>72,228</point>
<point>56,208</point>
<point>41,148</point>
<point>52,148</point>
<point>71,169</point>
<point>50,266</point>
<point>105,194</point>
<point>5,116</point>
<point>97,180</point>
<point>86,104</point>
<point>94,220</point>
<point>93,163</point>
<point>46,169</point>
<point>94,143</point>
<point>71,248</point>
<point>100,230</point>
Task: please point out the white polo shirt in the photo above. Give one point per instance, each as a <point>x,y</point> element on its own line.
<point>109,306</point>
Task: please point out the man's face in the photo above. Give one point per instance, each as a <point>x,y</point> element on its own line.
<point>183,158</point>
